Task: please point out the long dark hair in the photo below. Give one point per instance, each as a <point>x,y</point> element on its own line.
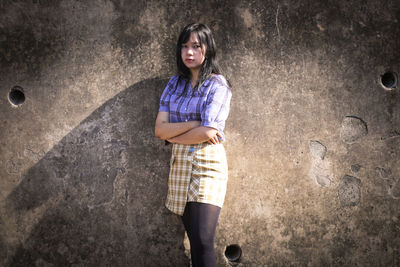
<point>210,64</point>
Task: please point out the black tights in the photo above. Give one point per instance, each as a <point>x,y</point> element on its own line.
<point>200,221</point>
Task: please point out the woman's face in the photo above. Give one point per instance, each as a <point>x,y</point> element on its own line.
<point>192,53</point>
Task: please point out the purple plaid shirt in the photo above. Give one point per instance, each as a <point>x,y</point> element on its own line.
<point>210,104</point>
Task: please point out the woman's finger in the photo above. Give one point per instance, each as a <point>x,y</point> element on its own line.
<point>215,140</point>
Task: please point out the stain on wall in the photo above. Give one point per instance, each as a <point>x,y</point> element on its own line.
<point>312,138</point>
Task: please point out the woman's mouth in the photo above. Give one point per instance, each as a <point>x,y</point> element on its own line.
<point>190,60</point>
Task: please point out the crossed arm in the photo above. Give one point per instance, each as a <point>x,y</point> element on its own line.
<point>190,132</point>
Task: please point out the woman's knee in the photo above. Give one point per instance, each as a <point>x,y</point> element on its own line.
<point>204,239</point>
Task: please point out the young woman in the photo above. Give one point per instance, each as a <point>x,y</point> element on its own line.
<point>193,109</point>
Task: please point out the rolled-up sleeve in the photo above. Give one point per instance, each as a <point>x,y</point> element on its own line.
<point>216,110</point>
<point>166,95</point>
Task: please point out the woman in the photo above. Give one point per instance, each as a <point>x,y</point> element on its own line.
<point>193,109</point>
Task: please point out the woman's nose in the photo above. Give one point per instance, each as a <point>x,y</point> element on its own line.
<point>190,51</point>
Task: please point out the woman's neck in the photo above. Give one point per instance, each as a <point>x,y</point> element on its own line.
<point>194,77</point>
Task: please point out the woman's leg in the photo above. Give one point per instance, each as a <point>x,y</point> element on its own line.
<point>200,221</point>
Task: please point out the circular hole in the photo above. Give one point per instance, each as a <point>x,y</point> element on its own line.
<point>389,79</point>
<point>16,96</point>
<point>233,253</point>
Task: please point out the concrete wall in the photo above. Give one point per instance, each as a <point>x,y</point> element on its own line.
<point>312,140</point>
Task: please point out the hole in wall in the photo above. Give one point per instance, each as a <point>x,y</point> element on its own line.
<point>233,253</point>
<point>389,80</point>
<point>16,96</point>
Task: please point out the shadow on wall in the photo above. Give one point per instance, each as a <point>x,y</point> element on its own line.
<point>97,198</point>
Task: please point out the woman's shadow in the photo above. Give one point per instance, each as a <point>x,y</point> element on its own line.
<point>97,197</point>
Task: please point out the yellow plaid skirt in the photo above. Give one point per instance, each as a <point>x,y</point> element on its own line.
<point>198,173</point>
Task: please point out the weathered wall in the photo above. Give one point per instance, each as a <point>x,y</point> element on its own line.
<point>312,139</point>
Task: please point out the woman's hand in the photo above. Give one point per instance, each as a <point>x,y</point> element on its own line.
<point>214,139</point>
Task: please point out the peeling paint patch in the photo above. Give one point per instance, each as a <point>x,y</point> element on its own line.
<point>355,168</point>
<point>349,191</point>
<point>319,18</point>
<point>35,156</point>
<point>247,18</point>
<point>391,134</point>
<point>320,167</point>
<point>13,167</point>
<point>383,173</point>
<point>395,190</point>
<point>323,180</point>
<point>353,128</point>
<point>317,149</point>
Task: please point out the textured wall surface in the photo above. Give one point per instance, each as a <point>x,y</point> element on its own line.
<point>313,138</point>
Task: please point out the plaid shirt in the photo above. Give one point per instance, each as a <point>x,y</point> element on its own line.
<point>209,104</point>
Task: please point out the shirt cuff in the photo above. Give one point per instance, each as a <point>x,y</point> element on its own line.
<point>164,108</point>
<point>211,124</point>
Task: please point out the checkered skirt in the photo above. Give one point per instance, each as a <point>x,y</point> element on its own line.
<point>198,173</point>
